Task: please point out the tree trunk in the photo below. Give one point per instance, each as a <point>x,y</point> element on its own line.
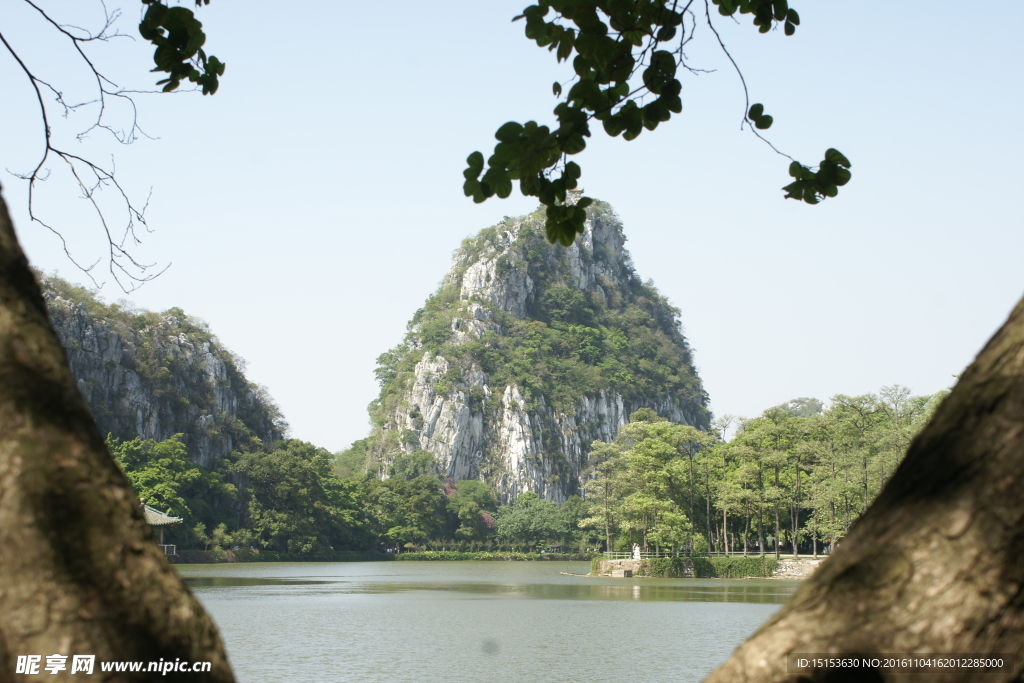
<point>80,571</point>
<point>778,523</point>
<point>746,534</point>
<point>760,532</point>
<point>725,529</point>
<point>936,565</point>
<point>796,512</point>
<point>711,545</point>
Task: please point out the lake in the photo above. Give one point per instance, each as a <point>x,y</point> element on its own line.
<point>474,621</point>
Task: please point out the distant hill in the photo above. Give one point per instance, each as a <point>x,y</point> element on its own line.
<point>802,407</point>
<point>153,375</point>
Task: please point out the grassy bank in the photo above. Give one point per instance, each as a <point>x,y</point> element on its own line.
<point>252,555</point>
<point>449,555</point>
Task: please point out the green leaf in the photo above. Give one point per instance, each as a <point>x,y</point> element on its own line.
<point>796,169</point>
<point>503,188</point>
<point>666,33</point>
<point>156,14</point>
<point>564,48</point>
<point>508,132</point>
<point>556,88</point>
<point>764,122</point>
<point>178,18</point>
<point>781,7</point>
<point>756,111</point>
<point>789,29</point>
<point>574,144</point>
<point>792,17</point>
<point>614,125</point>
<point>836,157</point>
<point>655,113</point>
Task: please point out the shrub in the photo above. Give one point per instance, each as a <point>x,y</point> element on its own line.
<point>672,567</point>
<point>735,567</point>
<point>703,567</point>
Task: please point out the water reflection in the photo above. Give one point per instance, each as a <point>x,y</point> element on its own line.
<point>234,581</point>
<point>526,580</point>
<point>480,621</point>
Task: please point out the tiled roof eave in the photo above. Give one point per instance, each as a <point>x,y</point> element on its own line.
<point>156,518</point>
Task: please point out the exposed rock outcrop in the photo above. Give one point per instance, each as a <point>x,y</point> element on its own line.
<point>527,354</point>
<point>154,375</point>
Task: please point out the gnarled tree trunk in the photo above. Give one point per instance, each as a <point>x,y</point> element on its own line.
<point>80,572</point>
<point>936,565</point>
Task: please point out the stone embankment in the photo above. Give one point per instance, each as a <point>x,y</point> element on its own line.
<point>636,567</point>
<point>796,569</point>
<point>784,569</point>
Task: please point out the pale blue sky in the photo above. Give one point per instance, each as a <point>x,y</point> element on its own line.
<point>312,204</point>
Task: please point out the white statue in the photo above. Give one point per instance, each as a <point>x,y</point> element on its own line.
<point>636,551</point>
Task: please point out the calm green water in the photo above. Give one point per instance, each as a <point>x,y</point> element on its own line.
<point>474,621</point>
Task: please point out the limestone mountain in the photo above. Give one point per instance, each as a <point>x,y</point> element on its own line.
<point>526,354</point>
<point>153,375</point>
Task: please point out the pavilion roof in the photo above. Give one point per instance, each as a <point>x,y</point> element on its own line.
<point>156,518</point>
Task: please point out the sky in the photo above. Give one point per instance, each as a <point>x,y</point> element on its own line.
<point>309,207</point>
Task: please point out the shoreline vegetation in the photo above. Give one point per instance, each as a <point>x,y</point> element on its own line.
<point>253,555</point>
<point>662,567</point>
<point>784,485</point>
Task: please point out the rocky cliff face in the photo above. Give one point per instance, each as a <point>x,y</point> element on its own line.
<point>527,354</point>
<point>153,375</point>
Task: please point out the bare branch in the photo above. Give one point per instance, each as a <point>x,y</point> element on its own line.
<point>746,93</point>
<point>91,177</point>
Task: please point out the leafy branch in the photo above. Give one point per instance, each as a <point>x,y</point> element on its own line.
<point>615,41</point>
<point>179,40</point>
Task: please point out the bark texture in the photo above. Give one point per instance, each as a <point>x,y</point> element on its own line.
<point>936,565</point>
<point>80,572</point>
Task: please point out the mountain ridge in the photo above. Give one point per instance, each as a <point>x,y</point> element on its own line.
<point>152,375</point>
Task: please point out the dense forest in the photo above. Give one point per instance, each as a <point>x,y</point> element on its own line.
<point>795,478</point>
<point>792,480</point>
